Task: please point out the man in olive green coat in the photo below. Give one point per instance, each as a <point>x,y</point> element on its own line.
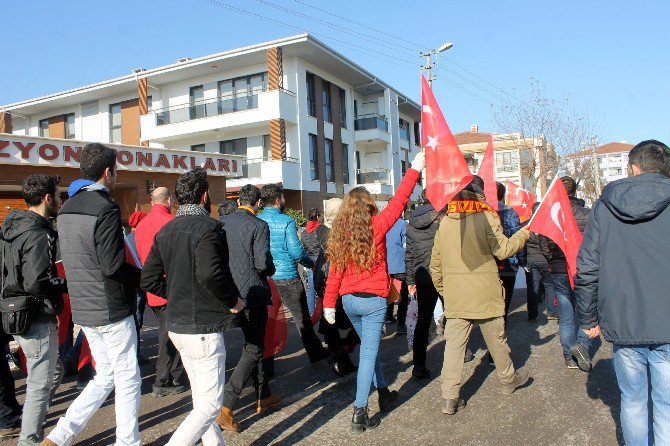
<point>464,270</point>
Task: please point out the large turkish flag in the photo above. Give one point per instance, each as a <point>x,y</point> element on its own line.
<point>447,172</point>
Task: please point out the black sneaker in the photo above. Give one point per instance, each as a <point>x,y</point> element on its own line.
<point>420,372</point>
<point>582,356</point>
<point>570,363</point>
<point>401,330</point>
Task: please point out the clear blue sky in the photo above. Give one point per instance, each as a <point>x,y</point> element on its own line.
<point>610,57</point>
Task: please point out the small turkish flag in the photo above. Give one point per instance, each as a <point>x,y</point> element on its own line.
<point>447,172</point>
<point>555,220</point>
<point>520,200</point>
<point>487,171</point>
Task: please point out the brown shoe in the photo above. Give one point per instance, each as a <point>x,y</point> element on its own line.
<point>226,421</point>
<point>522,376</point>
<point>450,407</point>
<point>47,442</point>
<point>268,403</point>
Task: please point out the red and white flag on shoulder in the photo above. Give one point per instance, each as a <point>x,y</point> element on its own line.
<point>520,200</point>
<point>555,220</point>
<point>487,172</point>
<point>447,172</point>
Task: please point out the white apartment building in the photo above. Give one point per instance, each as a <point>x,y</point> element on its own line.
<point>299,112</point>
<point>612,160</point>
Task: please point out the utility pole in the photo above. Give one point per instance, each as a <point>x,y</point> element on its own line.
<point>596,166</point>
<point>429,64</point>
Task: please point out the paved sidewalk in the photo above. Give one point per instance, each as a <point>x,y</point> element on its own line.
<point>560,407</point>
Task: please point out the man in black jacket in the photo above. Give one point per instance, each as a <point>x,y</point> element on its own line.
<point>188,266</point>
<point>622,285</point>
<point>29,253</point>
<point>575,343</point>
<point>101,286</point>
<point>250,262</point>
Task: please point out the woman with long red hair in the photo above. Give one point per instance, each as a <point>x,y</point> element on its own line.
<point>359,274</point>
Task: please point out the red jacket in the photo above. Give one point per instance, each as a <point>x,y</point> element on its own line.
<point>375,281</point>
<point>144,238</point>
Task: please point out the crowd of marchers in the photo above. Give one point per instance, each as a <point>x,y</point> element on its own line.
<point>348,269</point>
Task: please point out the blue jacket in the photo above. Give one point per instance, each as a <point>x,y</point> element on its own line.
<point>511,225</point>
<point>395,247</point>
<point>285,247</point>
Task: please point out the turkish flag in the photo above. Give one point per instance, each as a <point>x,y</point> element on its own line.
<point>487,171</point>
<point>520,200</point>
<point>275,328</point>
<point>447,172</point>
<point>555,220</point>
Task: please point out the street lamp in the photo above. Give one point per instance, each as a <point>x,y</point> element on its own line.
<point>429,64</point>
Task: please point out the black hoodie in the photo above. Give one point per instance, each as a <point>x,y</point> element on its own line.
<point>622,277</point>
<point>28,253</point>
<point>423,223</point>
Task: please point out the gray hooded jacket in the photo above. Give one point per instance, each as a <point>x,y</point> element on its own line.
<point>622,279</point>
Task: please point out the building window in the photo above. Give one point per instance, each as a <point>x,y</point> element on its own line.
<point>44,128</point>
<point>69,126</point>
<point>150,103</point>
<point>115,123</point>
<point>417,135</point>
<point>196,99</point>
<point>198,148</point>
<point>343,108</point>
<point>311,107</point>
<point>267,148</point>
<point>345,163</point>
<point>404,160</point>
<point>404,129</point>
<point>234,147</point>
<point>330,165</point>
<point>325,97</point>
<point>507,161</point>
<point>241,93</point>
<point>313,158</point>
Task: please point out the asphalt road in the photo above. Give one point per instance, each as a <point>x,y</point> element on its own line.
<point>560,407</point>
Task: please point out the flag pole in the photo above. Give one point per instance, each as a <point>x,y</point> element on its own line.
<point>543,198</point>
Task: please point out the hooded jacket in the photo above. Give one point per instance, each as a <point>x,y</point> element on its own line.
<point>314,239</point>
<point>463,263</point>
<point>101,283</point>
<point>622,279</point>
<point>28,244</point>
<point>551,251</point>
<point>423,223</point>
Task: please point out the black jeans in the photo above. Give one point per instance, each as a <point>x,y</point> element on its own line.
<point>508,285</point>
<point>538,275</point>
<point>427,297</point>
<point>10,411</point>
<point>293,296</point>
<point>253,322</point>
<point>168,365</point>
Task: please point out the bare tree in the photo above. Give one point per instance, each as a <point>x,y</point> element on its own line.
<point>557,130</point>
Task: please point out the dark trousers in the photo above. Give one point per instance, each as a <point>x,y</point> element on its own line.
<point>508,285</point>
<point>535,278</point>
<point>426,296</point>
<point>403,301</point>
<point>168,365</point>
<point>10,411</point>
<point>253,322</point>
<point>293,296</point>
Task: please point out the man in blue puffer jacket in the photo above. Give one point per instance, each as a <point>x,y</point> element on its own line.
<point>287,252</point>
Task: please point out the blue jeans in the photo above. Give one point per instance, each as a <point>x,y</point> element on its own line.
<point>311,292</point>
<point>634,366</point>
<point>568,326</point>
<point>367,315</point>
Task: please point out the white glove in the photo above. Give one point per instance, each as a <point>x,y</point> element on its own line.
<point>419,162</point>
<point>329,315</point>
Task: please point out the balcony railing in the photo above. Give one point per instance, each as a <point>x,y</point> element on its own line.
<point>210,107</point>
<point>371,121</point>
<point>375,175</point>
<point>252,166</point>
